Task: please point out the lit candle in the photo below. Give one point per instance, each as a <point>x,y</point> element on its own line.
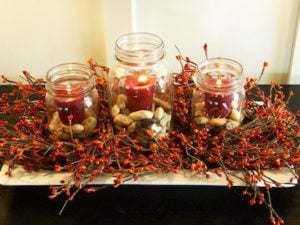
<point>70,101</point>
<point>139,91</point>
<point>218,104</point>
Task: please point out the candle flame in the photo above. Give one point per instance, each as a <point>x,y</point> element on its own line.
<point>142,79</point>
<point>219,82</point>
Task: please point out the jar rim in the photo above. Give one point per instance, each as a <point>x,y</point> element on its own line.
<point>58,74</point>
<point>139,48</point>
<point>136,34</point>
<point>220,68</point>
<point>224,59</point>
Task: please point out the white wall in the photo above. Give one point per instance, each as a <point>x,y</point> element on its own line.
<point>294,73</point>
<point>38,34</point>
<point>249,31</point>
<point>117,21</point>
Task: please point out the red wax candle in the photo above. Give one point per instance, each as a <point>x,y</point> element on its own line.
<point>218,104</point>
<point>139,91</point>
<point>70,101</point>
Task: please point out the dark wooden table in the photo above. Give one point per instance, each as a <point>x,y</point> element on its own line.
<point>142,205</point>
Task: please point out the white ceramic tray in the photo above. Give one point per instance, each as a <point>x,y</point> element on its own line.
<point>21,178</point>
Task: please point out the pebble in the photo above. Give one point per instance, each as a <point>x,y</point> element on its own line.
<point>122,120</point>
<point>230,125</point>
<point>89,124</point>
<point>125,111</point>
<point>141,115</point>
<point>235,115</point>
<point>234,104</point>
<point>131,127</point>
<point>55,123</point>
<point>159,113</point>
<point>166,106</point>
<point>82,130</point>
<point>155,128</point>
<point>199,105</point>
<point>121,101</point>
<point>115,110</point>
<point>119,128</point>
<point>163,131</point>
<point>165,121</point>
<point>198,108</point>
<point>76,129</point>
<point>89,112</point>
<point>55,115</point>
<point>217,122</point>
<point>201,120</point>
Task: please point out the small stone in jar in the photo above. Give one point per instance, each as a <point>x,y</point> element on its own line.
<point>55,123</point>
<point>155,128</point>
<point>166,106</point>
<point>159,113</point>
<point>119,128</point>
<point>217,122</point>
<point>235,115</point>
<point>89,124</point>
<point>131,127</point>
<point>198,108</point>
<point>146,123</point>
<point>163,130</point>
<point>122,120</point>
<point>121,101</point>
<point>141,115</point>
<point>234,104</point>
<point>165,121</point>
<point>199,105</point>
<point>230,125</point>
<point>125,111</point>
<point>115,110</point>
<point>89,112</point>
<point>76,128</point>
<point>201,120</point>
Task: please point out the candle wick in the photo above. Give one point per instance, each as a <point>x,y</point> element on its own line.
<point>219,82</point>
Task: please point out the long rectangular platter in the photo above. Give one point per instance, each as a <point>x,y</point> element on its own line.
<point>45,178</point>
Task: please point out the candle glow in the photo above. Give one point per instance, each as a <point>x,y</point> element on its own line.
<point>142,80</point>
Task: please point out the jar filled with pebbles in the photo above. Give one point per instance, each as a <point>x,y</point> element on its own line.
<point>140,87</point>
<point>72,101</point>
<point>219,100</point>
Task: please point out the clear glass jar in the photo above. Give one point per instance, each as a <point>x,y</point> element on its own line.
<point>219,98</point>
<point>71,100</point>
<point>140,86</point>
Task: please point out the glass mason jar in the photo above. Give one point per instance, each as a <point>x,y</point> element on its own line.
<point>140,86</point>
<point>71,101</point>
<point>219,98</point>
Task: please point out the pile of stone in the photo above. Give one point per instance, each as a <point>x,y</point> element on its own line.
<point>235,117</point>
<point>82,130</point>
<point>142,122</point>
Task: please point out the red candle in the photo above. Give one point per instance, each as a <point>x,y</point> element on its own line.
<point>218,104</point>
<point>70,101</point>
<point>139,91</point>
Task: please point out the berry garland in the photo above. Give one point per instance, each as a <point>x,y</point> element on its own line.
<point>269,138</point>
